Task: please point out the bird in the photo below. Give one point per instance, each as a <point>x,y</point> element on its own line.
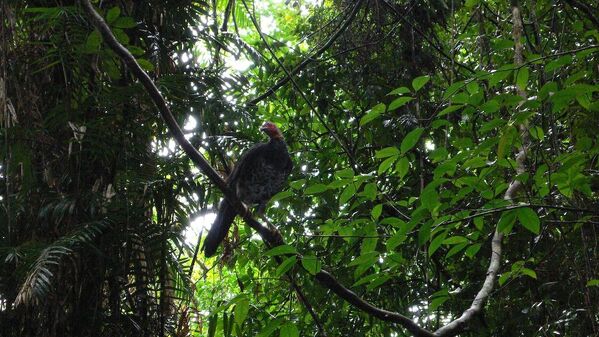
<point>260,173</point>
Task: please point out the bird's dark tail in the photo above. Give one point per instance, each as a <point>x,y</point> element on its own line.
<point>220,227</point>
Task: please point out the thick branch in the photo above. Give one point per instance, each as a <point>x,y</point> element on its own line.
<point>271,236</point>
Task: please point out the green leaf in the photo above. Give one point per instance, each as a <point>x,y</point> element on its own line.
<point>403,166</point>
<point>281,195</point>
<point>366,259</point>
<point>373,114</point>
<point>507,220</point>
<point>453,89</point>
<point>529,219</point>
<point>270,328</point>
<point>528,272</point>
<point>241,311</point>
<point>286,265</point>
<point>94,39</point>
<point>522,78</point>
<point>311,264</point>
<point>379,281</point>
<point>113,14</point>
<point>449,110</point>
<point>281,250</point>
<point>370,191</point>
<point>386,164</point>
<point>124,22</point>
<point>410,140</point>
<point>436,243</point>
<point>298,184</point>
<point>315,189</point>
<point>399,102</point>
<point>454,240</point>
<point>500,74</point>
<point>347,194</point>
<point>376,211</point>
<point>395,240</point>
<point>455,249</point>
<point>472,250</point>
<point>387,152</point>
<point>593,283</point>
<point>437,302</point>
<point>289,330</point>
<point>145,64</point>
<point>399,91</point>
<point>419,82</point>
<point>490,106</point>
<point>536,132</point>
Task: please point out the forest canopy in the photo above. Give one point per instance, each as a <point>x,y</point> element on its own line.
<point>445,175</point>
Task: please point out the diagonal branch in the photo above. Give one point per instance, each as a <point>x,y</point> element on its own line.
<point>271,236</point>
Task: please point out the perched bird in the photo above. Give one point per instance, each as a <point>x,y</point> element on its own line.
<point>259,174</point>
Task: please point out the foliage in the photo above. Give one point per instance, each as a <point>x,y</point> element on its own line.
<point>404,131</point>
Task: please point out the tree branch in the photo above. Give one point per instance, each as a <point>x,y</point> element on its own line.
<point>270,235</point>
<point>476,307</point>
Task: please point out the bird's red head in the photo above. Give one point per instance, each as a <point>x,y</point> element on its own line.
<point>271,130</point>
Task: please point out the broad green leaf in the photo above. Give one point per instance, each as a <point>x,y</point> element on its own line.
<point>453,89</point>
<point>436,243</point>
<point>410,140</point>
<point>395,240</point>
<point>454,240</point>
<point>437,302</point>
<point>347,194</point>
<point>507,220</point>
<point>399,91</point>
<point>311,264</point>
<point>379,281</point>
<point>370,241</point>
<point>373,114</point>
<point>593,283</point>
<point>370,191</point>
<point>529,219</point>
<point>522,78</point>
<point>387,152</point>
<point>281,195</point>
<point>472,250</point>
<point>399,102</point>
<point>286,265</point>
<point>500,74</point>
<point>241,311</point>
<point>315,189</point>
<point>403,166</point>
<point>536,132</point>
<point>419,82</point>
<point>386,164</point>
<point>366,259</point>
<point>529,272</point>
<point>94,39</point>
<point>455,249</point>
<point>124,22</point>
<point>113,14</point>
<point>376,211</point>
<point>289,330</point>
<point>298,184</point>
<point>281,250</point>
<point>449,110</point>
<point>490,106</point>
<point>145,64</point>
